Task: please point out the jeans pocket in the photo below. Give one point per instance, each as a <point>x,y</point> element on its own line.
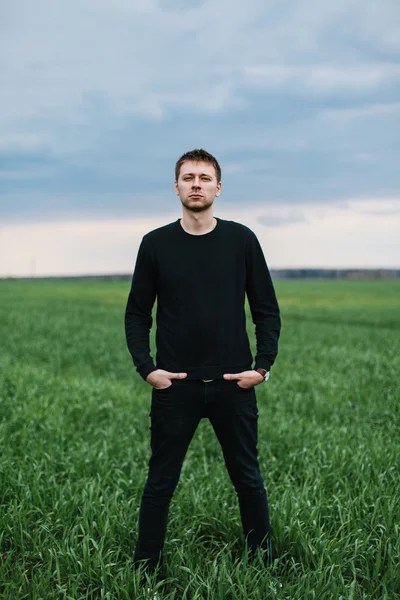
<point>242,389</point>
<point>164,389</point>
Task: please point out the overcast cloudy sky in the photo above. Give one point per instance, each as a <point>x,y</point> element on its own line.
<point>299,101</point>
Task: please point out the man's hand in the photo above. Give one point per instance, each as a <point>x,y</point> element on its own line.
<point>161,380</point>
<point>246,379</point>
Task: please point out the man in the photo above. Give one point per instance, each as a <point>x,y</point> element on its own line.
<point>199,268</point>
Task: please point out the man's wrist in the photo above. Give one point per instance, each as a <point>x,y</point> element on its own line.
<point>146,368</point>
<point>263,372</point>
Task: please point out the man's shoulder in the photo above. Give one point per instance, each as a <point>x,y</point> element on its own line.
<point>161,232</point>
<point>237,228</point>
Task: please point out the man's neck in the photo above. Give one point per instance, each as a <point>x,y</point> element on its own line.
<point>198,223</point>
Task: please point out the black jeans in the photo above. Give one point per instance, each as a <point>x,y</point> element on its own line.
<point>175,415</point>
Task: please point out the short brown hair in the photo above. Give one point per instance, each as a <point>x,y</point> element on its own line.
<point>198,155</point>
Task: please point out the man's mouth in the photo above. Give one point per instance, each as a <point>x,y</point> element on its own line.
<point>195,196</point>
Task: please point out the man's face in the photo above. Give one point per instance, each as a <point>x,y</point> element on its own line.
<point>197,185</point>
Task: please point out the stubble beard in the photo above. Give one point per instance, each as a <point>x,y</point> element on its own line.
<point>197,209</point>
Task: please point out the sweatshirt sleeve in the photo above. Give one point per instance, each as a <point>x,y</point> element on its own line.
<point>263,305</point>
<point>138,319</point>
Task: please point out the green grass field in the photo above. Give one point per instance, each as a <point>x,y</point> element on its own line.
<point>74,431</point>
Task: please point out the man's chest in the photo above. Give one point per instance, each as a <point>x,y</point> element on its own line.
<point>193,266</point>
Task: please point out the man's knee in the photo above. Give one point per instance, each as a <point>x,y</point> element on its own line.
<point>250,483</point>
<point>161,487</point>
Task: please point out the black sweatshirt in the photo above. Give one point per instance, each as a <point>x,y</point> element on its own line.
<point>200,283</point>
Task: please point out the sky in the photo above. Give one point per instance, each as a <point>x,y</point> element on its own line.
<point>299,101</point>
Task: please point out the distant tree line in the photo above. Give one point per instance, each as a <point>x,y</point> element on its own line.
<point>275,274</point>
<point>335,273</point>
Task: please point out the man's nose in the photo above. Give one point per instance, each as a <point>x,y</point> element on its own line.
<point>196,182</point>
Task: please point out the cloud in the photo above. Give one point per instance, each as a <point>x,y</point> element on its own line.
<point>145,58</point>
<point>384,208</point>
<point>323,79</point>
<point>279,218</point>
<point>28,174</point>
<point>346,235</point>
<point>342,235</point>
<point>297,100</point>
<point>363,112</point>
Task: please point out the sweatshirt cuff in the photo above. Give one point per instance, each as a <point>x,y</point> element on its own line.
<point>262,364</point>
<point>146,368</point>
